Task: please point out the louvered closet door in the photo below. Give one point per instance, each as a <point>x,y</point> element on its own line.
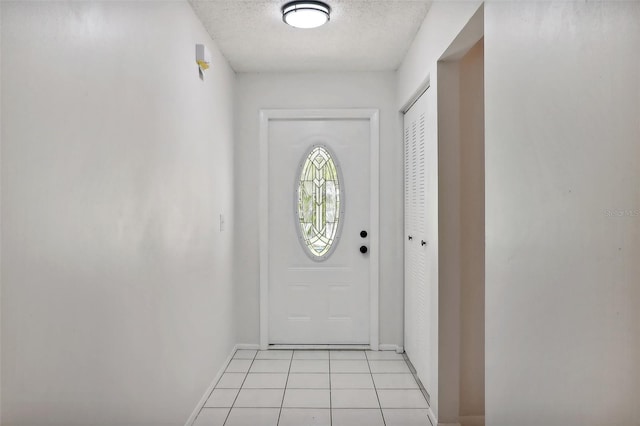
<point>417,288</point>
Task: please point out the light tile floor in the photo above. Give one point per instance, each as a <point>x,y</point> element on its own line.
<point>315,388</point>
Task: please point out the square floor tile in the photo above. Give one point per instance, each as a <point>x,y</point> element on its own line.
<point>308,381</point>
<point>305,417</point>
<point>221,398</point>
<point>238,366</point>
<point>388,355</point>
<point>211,417</point>
<point>270,366</point>
<point>311,354</point>
<point>274,354</point>
<point>307,398</point>
<point>349,366</point>
<point>309,366</point>
<point>345,354</point>
<point>259,398</point>
<point>231,381</point>
<point>357,417</point>
<point>265,381</point>
<point>389,367</point>
<point>411,417</point>
<point>351,381</point>
<point>253,417</point>
<point>401,398</point>
<point>354,398</point>
<point>395,381</point>
<point>245,354</point>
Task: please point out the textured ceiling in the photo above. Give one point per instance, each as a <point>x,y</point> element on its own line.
<point>370,35</point>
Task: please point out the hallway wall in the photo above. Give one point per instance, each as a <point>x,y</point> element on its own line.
<point>472,232</point>
<point>318,90</point>
<point>443,23</point>
<point>117,300</point>
<point>563,213</point>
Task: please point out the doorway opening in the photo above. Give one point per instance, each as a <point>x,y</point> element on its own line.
<point>330,297</point>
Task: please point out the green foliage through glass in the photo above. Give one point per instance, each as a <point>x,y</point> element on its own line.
<point>319,201</point>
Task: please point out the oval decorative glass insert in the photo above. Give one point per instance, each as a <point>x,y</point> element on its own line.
<point>319,203</point>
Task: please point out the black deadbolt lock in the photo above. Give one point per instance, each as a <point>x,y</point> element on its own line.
<point>363,234</point>
<point>363,249</point>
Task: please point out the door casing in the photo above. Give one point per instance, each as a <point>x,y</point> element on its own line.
<point>266,115</point>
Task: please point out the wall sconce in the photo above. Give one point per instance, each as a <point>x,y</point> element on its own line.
<point>203,58</point>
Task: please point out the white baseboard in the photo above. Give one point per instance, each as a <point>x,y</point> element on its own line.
<point>249,346</point>
<point>432,417</point>
<point>466,421</point>
<point>471,420</point>
<point>381,347</point>
<point>289,347</point>
<point>203,400</point>
<point>390,347</point>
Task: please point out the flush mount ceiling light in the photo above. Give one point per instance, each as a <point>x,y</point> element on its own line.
<point>306,14</point>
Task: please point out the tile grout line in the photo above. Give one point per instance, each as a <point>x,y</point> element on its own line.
<point>375,388</point>
<point>290,359</point>
<point>241,384</point>
<point>284,392</point>
<point>216,386</point>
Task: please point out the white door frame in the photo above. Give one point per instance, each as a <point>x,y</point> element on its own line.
<point>320,114</point>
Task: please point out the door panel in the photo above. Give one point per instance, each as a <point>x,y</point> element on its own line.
<point>313,302</point>
<point>418,288</point>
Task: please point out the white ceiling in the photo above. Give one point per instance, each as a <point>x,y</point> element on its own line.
<point>371,35</point>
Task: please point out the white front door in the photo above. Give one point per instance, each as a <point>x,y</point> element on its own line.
<point>319,280</point>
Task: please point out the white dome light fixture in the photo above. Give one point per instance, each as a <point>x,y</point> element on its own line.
<point>306,14</point>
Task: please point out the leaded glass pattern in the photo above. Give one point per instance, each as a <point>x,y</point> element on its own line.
<point>319,202</point>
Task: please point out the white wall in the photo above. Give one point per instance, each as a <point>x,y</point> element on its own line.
<point>562,213</point>
<point>321,90</point>
<point>447,31</point>
<point>116,162</point>
<point>472,232</point>
<point>443,23</point>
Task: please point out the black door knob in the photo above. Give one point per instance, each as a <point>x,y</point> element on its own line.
<point>410,238</point>
<point>363,234</point>
<point>423,243</point>
<point>363,249</point>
